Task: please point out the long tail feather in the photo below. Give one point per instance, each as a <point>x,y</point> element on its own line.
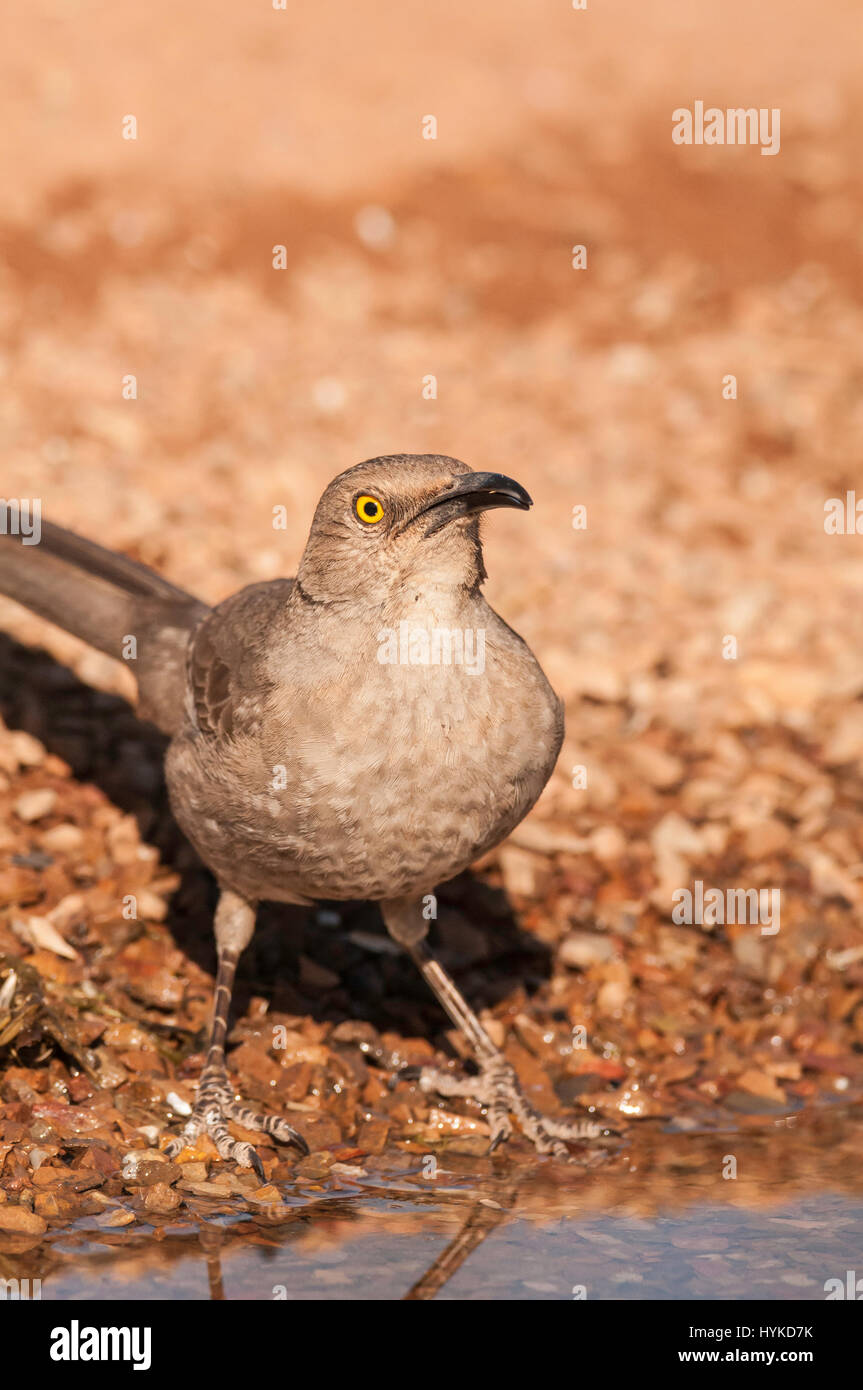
<point>105,598</point>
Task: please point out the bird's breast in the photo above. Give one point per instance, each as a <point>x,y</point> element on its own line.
<point>387,775</point>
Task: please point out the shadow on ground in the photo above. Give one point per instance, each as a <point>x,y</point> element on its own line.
<point>104,743</point>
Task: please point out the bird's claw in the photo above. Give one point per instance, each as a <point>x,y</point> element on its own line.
<point>215,1106</point>
<point>498,1090</point>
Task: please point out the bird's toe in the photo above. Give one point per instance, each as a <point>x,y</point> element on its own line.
<point>498,1089</point>
<point>216,1105</point>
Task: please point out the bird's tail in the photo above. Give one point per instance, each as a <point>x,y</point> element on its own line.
<point>111,602</point>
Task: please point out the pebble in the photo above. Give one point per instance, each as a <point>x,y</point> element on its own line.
<point>582,949</point>
<point>21,1220</point>
<point>35,805</point>
<point>62,839</point>
<point>120,1217</point>
<point>28,751</point>
<point>161,1199</point>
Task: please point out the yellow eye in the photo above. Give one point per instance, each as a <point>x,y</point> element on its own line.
<point>368,509</point>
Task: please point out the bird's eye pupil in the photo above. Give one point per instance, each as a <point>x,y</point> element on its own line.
<point>368,509</point>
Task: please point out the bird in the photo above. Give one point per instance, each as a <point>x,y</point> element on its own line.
<point>365,730</point>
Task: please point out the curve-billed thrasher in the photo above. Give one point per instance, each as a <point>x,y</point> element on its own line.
<point>365,730</point>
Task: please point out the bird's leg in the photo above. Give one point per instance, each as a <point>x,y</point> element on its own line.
<point>496,1087</point>
<point>216,1102</point>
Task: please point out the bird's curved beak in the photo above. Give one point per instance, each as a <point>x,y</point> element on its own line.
<point>474,492</point>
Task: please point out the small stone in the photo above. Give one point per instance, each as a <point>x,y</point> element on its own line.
<point>523,873</point>
<point>266,1194</point>
<point>125,1035</point>
<point>62,839</point>
<point>28,751</point>
<point>608,844</point>
<point>44,936</point>
<point>372,1136</point>
<point>22,1221</point>
<point>203,1189</point>
<point>70,909</point>
<point>582,949</point>
<point>161,1199</point>
<point>142,1169</point>
<point>118,1217</point>
<point>151,907</point>
<point>35,805</point>
<point>745,1103</point>
<point>194,1172</point>
<point>48,1204</point>
<point>614,993</point>
<point>758,1083</point>
<point>177,1104</point>
<point>48,1176</point>
<point>313,1167</point>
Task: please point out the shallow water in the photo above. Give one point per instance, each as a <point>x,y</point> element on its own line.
<point>664,1217</point>
<point>714,1252</point>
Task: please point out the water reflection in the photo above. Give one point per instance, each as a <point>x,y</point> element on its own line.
<point>772,1211</point>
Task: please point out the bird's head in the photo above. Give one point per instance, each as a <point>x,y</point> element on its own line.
<point>409,519</point>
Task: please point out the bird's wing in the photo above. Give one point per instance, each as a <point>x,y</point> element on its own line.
<point>227,682</point>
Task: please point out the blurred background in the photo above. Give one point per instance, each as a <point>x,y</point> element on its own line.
<point>409,258</point>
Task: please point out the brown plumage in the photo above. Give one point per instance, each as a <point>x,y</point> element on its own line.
<point>364,731</point>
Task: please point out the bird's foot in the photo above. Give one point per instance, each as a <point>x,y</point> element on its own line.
<point>498,1090</point>
<point>215,1105</point>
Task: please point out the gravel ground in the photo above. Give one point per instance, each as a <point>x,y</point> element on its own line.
<point>599,389</point>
